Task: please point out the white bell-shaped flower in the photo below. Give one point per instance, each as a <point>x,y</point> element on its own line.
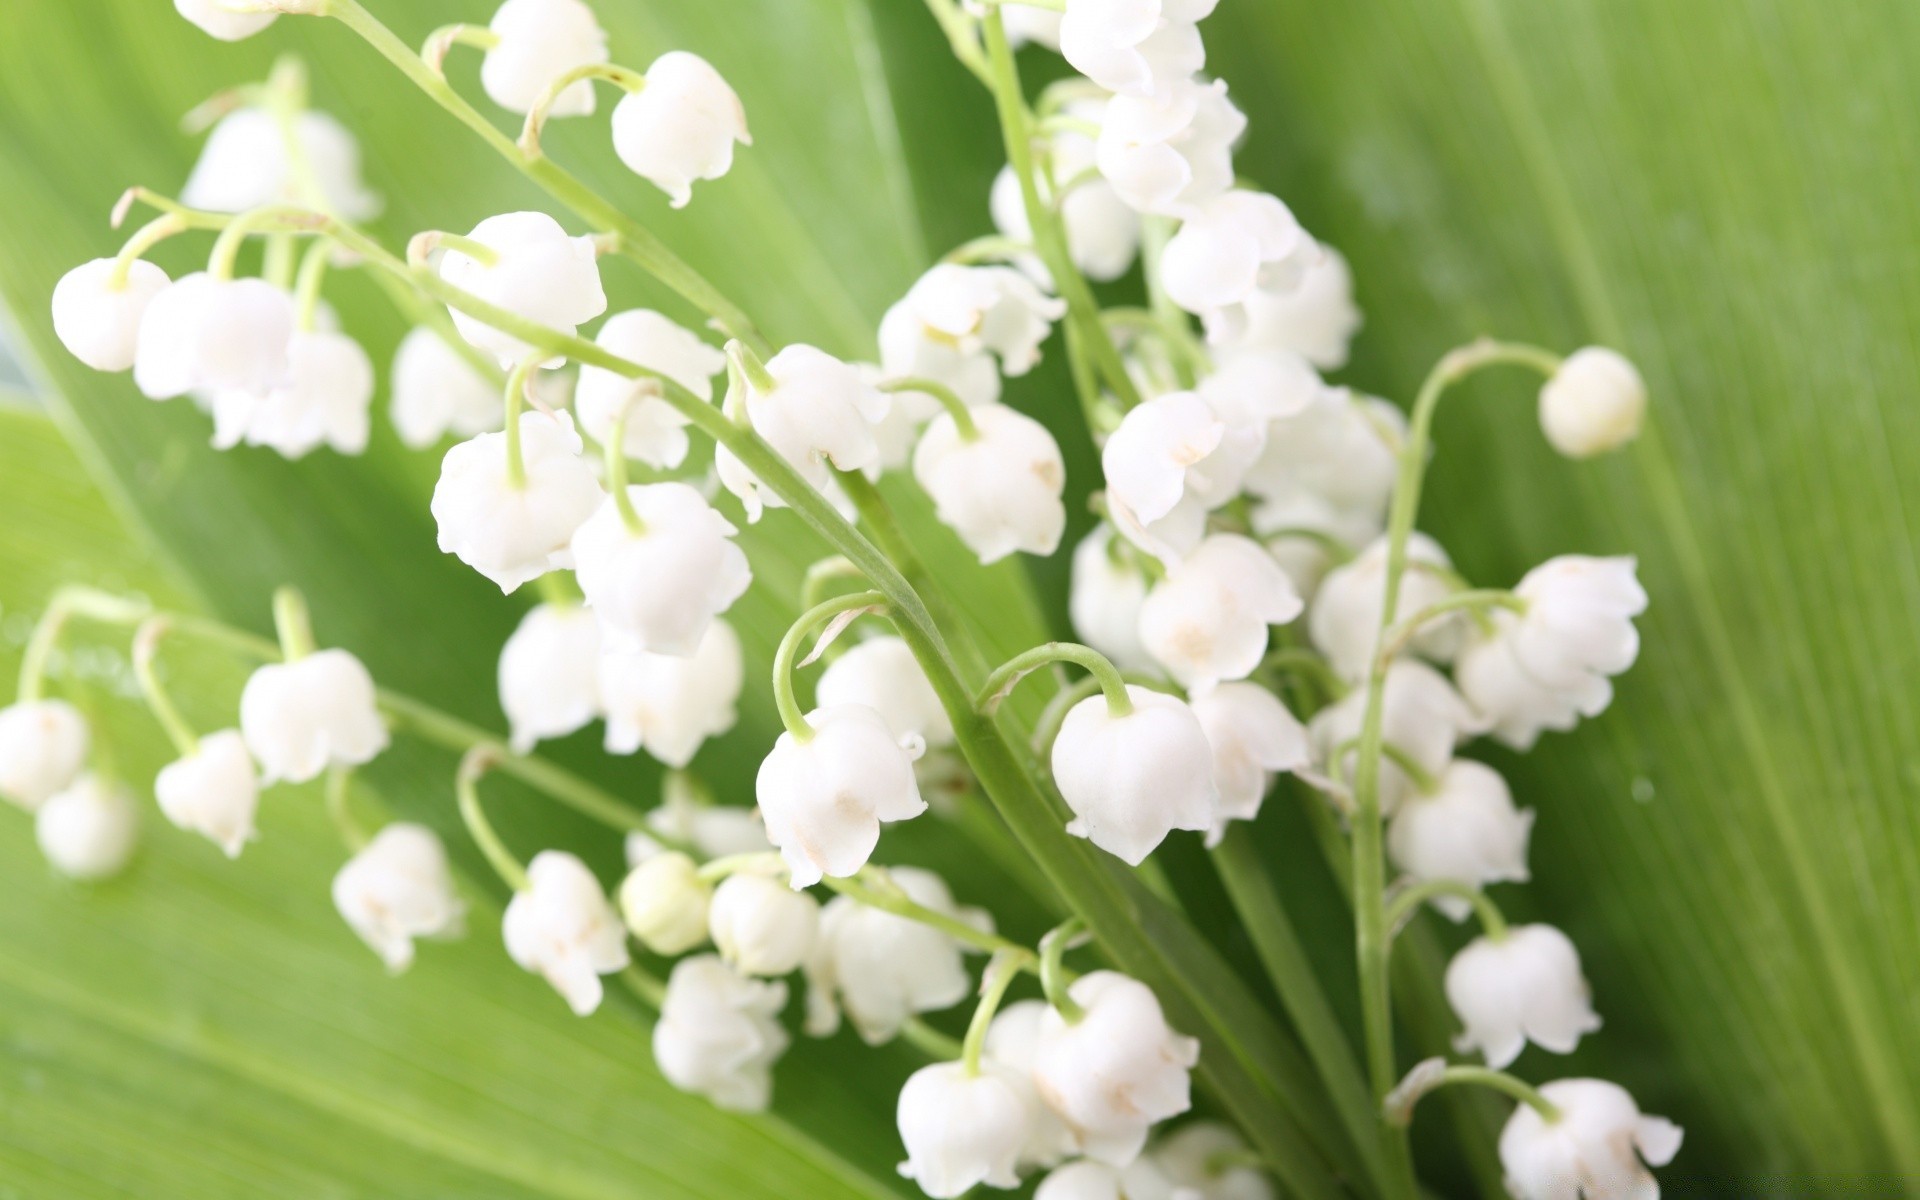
<point>882,674</point>
<point>43,745</point>
<point>99,323</point>
<point>324,399</point>
<point>1341,448</point>
<point>660,588</point>
<point>1316,318</point>
<point>990,309</point>
<point>1421,716</point>
<point>1207,1160</point>
<point>1599,1148</point>
<point>1171,152</point>
<point>1253,736</point>
<point>437,392</point>
<point>1104,599</point>
<point>1156,466</point>
<point>541,40</point>
<point>1525,986</point>
<point>670,704</point>
<point>549,674</point>
<point>961,1129</point>
<point>300,717</point>
<point>883,969</point>
<point>824,799</point>
<point>909,349</point>
<point>89,829</point>
<point>1578,622</point>
<point>212,791</point>
<point>655,430</point>
<point>681,126</point>
<point>1000,491</point>
<point>214,335</point>
<point>514,534</point>
<point>1013,1044</point>
<point>1466,830</point>
<point>563,929</point>
<point>1103,232</point>
<point>537,272</point>
<point>1254,388</point>
<point>244,165</point>
<point>1207,620</point>
<point>1594,403</point>
<point>1087,1179</point>
<point>713,830</point>
<point>820,412</point>
<point>759,925</point>
<point>221,21</point>
<point>398,888</point>
<point>1133,779</point>
<point>1134,47</point>
<point>1518,706</point>
<point>1116,1071</point>
<point>719,1033</point>
<point>665,903</point>
<point>1239,242</point>
<point>1345,622</point>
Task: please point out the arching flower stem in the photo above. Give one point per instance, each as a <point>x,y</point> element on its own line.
<point>948,398</point>
<point>1054,978</point>
<point>627,80</point>
<point>1008,674</point>
<point>146,646</point>
<point>783,659</point>
<point>994,982</point>
<point>1408,902</point>
<point>466,784</point>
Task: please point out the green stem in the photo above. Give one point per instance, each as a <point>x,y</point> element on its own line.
<point>783,659</point>
<point>1302,663</point>
<point>1499,1081</point>
<point>615,451</point>
<point>146,647</point>
<point>144,239</point>
<point>269,218</point>
<point>869,890</point>
<point>466,783</point>
<point>627,80</point>
<point>340,808</point>
<point>650,991</point>
<point>1408,902</point>
<point>930,1041</point>
<point>1008,674</point>
<point>948,398</point>
<point>747,361</point>
<point>991,248</point>
<point>433,51</point>
<point>1470,600</point>
<point>1334,548</point>
<point>821,573</point>
<point>306,288</point>
<point>993,986</point>
<point>515,400</point>
<point>1054,979</point>
<point>291,622</point>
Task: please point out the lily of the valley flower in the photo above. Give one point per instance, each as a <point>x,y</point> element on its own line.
<point>1594,403</point>
<point>1253,736</point>
<point>1341,449</point>
<point>245,164</point>
<point>881,968</point>
<point>300,717</point>
<point>1134,47</point>
<point>1104,600</point>
<point>1013,1044</point>
<point>760,926</point>
<point>1157,466</point>
<point>563,929</point>
<point>655,430</point>
<point>324,399</point>
<point>1087,1179</point>
<point>216,335</point>
<point>1171,152</point>
<point>995,310</point>
<point>882,674</point>
<point>88,830</point>
<point>398,888</point>
<point>1577,623</point>
<point>1208,1161</point>
<point>1599,1147</point>
<point>1422,718</point>
<point>1518,706</point>
<point>961,1128</point>
<point>1345,622</point>
<point>819,412</point>
<point>1236,244</point>
<point>719,1033</point>
<point>99,322</point>
<point>222,21</point>
<point>1522,986</point>
<point>1115,1072</point>
<point>1207,620</point>
<point>1130,780</point>
<point>669,704</point>
<point>681,126</point>
<point>516,533</point>
<point>665,903</point>
<point>436,392</point>
<point>1467,829</point>
<point>212,791</point>
<point>658,588</point>
<point>539,41</point>
<point>824,799</point>
<point>1000,491</point>
<point>1315,319</point>
<point>43,745</point>
<point>549,674</point>
<point>531,268</point>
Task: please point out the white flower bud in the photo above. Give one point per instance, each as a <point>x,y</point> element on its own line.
<point>1341,448</point>
<point>760,926</point>
<point>88,831</point>
<point>222,22</point>
<point>885,968</point>
<point>548,675</point>
<point>821,411</point>
<point>960,1129</point>
<point>1253,736</point>
<point>516,534</point>
<point>1345,622</point>
<point>1594,403</point>
<point>670,704</point>
<point>1118,1070</point>
<point>984,309</point>
<point>1134,47</point>
<point>655,430</point>
<point>719,1033</point>
<point>562,929</point>
<point>882,674</point>
<point>1237,243</point>
<point>436,392</point>
<point>538,272</point>
<point>399,888</point>
<point>1001,491</point>
<point>1519,706</point>
<point>823,799</point>
<point>1525,986</point>
<point>1578,622</point>
<point>1132,780</point>
<point>244,165</point>
<point>910,350</point>
<point>659,589</point>
<point>1596,1148</point>
<point>99,323</point>
<point>1207,620</point>
<point>1422,717</point>
<point>323,400</point>
<point>1156,466</point>
<point>1104,600</point>
<point>43,745</point>
<point>664,902</point>
<point>1465,830</point>
<point>1013,1044</point>
<point>681,126</point>
<point>299,717</point>
<point>1171,152</point>
<point>212,791</point>
<point>541,40</point>
<point>1316,318</point>
<point>216,335</point>
<point>1206,1160</point>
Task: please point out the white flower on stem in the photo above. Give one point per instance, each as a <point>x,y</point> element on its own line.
<point>537,272</point>
<point>1254,388</point>
<point>882,968</point>
<point>1422,718</point>
<point>882,674</point>
<point>514,534</point>
<point>670,704</point>
<point>1087,1179</point>
<point>1345,622</point>
<point>714,830</point>
<point>216,335</point>
<point>212,791</point>
<point>1207,1160</point>
<point>1341,448</point>
<point>1171,152</point>
<point>961,1129</point>
<point>665,903</point>
<point>823,799</point>
<point>437,392</point>
<point>1104,599</point>
<point>1316,318</point>
<point>541,40</point>
<point>323,400</point>
<point>1156,466</point>
<point>1013,1044</point>
<point>1577,625</point>
<point>563,929</point>
<point>244,165</point>
<point>659,589</point>
<point>1253,736</point>
<point>1598,1149</point>
<point>1103,232</point>
<point>1207,620</point>
<point>89,829</point>
<point>719,1033</point>
<point>300,717</point>
<point>1116,1071</point>
<point>43,745</point>
<point>221,21</point>
<point>655,430</point>
<point>681,126</point>
<point>548,675</point>
<point>1594,403</point>
<point>99,323</point>
<point>1236,244</point>
<point>1518,706</point>
<point>1466,830</point>
<point>1133,779</point>
<point>1525,986</point>
<point>398,888</point>
<point>821,412</point>
<point>1134,47</point>
<point>974,310</point>
<point>761,926</point>
<point>1000,491</point>
<point>909,351</point>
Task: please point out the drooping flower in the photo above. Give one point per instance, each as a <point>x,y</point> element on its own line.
<point>212,791</point>
<point>1467,830</point>
<point>1207,620</point>
<point>1253,736</point>
<point>1577,624</point>
<point>882,674</point>
<point>437,392</point>
<point>881,968</point>
<point>1234,245</point>
<point>222,22</point>
<point>88,830</point>
<point>681,126</point>
<point>398,888</point>
<point>1598,1149</point>
<point>324,399</point>
<point>300,717</point>
<point>541,40</point>
<point>1171,152</point>
<point>1594,403</point>
<point>516,533</point>
<point>563,929</point>
<point>669,704</point>
<point>824,799</point>
<point>549,674</point>
<point>820,413</point>
<point>1341,448</point>
<point>1315,319</point>
<point>244,165</point>
<point>655,430</point>
<point>989,309</point>
<point>536,271</point>
<point>659,589</point>
<point>99,323</point>
<point>1422,717</point>
<point>1116,1071</point>
<point>215,335</point>
<point>1518,706</point>
<point>961,1129</point>
<point>1207,1160</point>
<point>1135,47</point>
<point>909,350</point>
<point>1345,622</point>
<point>1156,463</point>
<point>719,1034</point>
<point>1000,491</point>
<point>665,903</point>
<point>714,830</point>
<point>1130,780</point>
<point>760,926</point>
<point>43,745</point>
<point>1013,1044</point>
<point>1524,986</point>
<point>1104,599</point>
